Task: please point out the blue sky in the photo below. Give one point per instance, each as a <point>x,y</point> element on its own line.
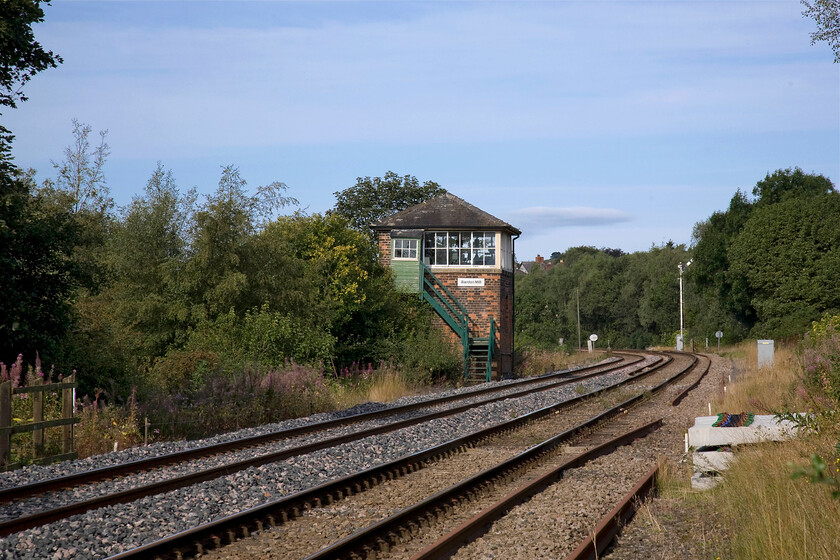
<point>617,124</point>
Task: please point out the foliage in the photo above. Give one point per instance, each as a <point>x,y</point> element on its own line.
<point>22,375</point>
<point>21,56</point>
<point>250,397</point>
<point>820,356</point>
<point>372,199</point>
<point>215,275</point>
<point>147,254</point>
<point>792,285</point>
<point>826,14</point>
<point>104,427</point>
<point>80,177</point>
<point>817,473</point>
<point>787,184</point>
<point>36,245</point>
<point>742,287</point>
<point>429,357</point>
<point>629,300</point>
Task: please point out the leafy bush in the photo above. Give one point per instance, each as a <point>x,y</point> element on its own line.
<point>104,427</point>
<point>429,357</point>
<point>821,356</point>
<point>226,400</point>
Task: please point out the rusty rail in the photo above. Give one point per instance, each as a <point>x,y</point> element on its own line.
<point>609,526</point>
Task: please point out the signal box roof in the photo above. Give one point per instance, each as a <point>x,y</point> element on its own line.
<point>445,211</point>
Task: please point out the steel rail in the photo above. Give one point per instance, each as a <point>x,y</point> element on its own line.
<point>609,526</point>
<point>479,524</point>
<point>47,516</point>
<point>113,471</point>
<point>678,399</point>
<point>211,535</point>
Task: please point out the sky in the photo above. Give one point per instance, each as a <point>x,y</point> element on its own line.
<point>614,124</point>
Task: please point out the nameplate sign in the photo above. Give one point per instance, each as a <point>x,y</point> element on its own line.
<point>470,282</point>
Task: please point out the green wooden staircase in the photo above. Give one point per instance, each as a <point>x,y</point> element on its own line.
<point>478,352</point>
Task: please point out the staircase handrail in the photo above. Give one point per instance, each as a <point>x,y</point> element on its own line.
<point>462,314</point>
<point>491,343</point>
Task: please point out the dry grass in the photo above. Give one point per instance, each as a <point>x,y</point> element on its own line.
<point>765,512</point>
<point>539,362</point>
<point>390,386</point>
<point>773,515</point>
<point>763,391</point>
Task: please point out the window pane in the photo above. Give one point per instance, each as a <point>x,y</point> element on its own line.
<point>428,240</point>
<point>453,256</point>
<point>453,240</point>
<point>490,257</point>
<point>429,256</point>
<point>489,239</point>
<point>440,256</point>
<point>465,257</point>
<point>440,239</point>
<point>465,240</point>
<point>477,259</point>
<point>412,253</point>
<point>478,240</point>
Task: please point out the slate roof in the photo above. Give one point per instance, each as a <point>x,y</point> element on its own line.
<point>442,212</point>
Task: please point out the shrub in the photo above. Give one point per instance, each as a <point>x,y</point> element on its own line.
<point>820,356</point>
<point>429,357</point>
<point>102,425</point>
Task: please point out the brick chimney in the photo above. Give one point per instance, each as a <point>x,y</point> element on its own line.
<point>539,259</point>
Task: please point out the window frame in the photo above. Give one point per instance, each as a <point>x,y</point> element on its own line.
<point>449,242</point>
<point>416,248</point>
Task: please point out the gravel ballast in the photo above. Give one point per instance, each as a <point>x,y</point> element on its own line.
<point>110,530</point>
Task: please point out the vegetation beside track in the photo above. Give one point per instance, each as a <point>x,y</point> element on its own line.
<point>777,500</point>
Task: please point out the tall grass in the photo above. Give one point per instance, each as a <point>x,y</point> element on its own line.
<point>766,512</point>
<point>767,390</point>
<point>771,514</point>
<point>533,361</point>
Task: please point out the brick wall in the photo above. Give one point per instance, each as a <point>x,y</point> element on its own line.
<point>384,240</point>
<point>494,299</point>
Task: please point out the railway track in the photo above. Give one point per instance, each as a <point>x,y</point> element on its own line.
<point>290,507</point>
<point>143,465</point>
<point>49,514</point>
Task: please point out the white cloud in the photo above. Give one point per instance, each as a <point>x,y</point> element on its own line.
<point>489,72</point>
<point>539,219</point>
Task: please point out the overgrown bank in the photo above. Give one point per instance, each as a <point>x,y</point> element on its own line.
<point>778,500</point>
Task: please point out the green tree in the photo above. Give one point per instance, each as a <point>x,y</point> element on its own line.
<point>372,199</point>
<point>710,272</point>
<point>317,266</point>
<point>21,57</point>
<point>36,244</point>
<point>789,256</point>
<point>216,273</point>
<point>149,249</point>
<point>785,184</point>
<point>826,14</point>
<point>81,189</point>
<point>36,239</point>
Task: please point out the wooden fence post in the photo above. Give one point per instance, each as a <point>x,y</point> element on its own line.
<point>5,422</point>
<point>67,412</point>
<point>38,416</point>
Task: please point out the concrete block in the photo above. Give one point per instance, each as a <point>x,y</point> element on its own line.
<point>763,428</point>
